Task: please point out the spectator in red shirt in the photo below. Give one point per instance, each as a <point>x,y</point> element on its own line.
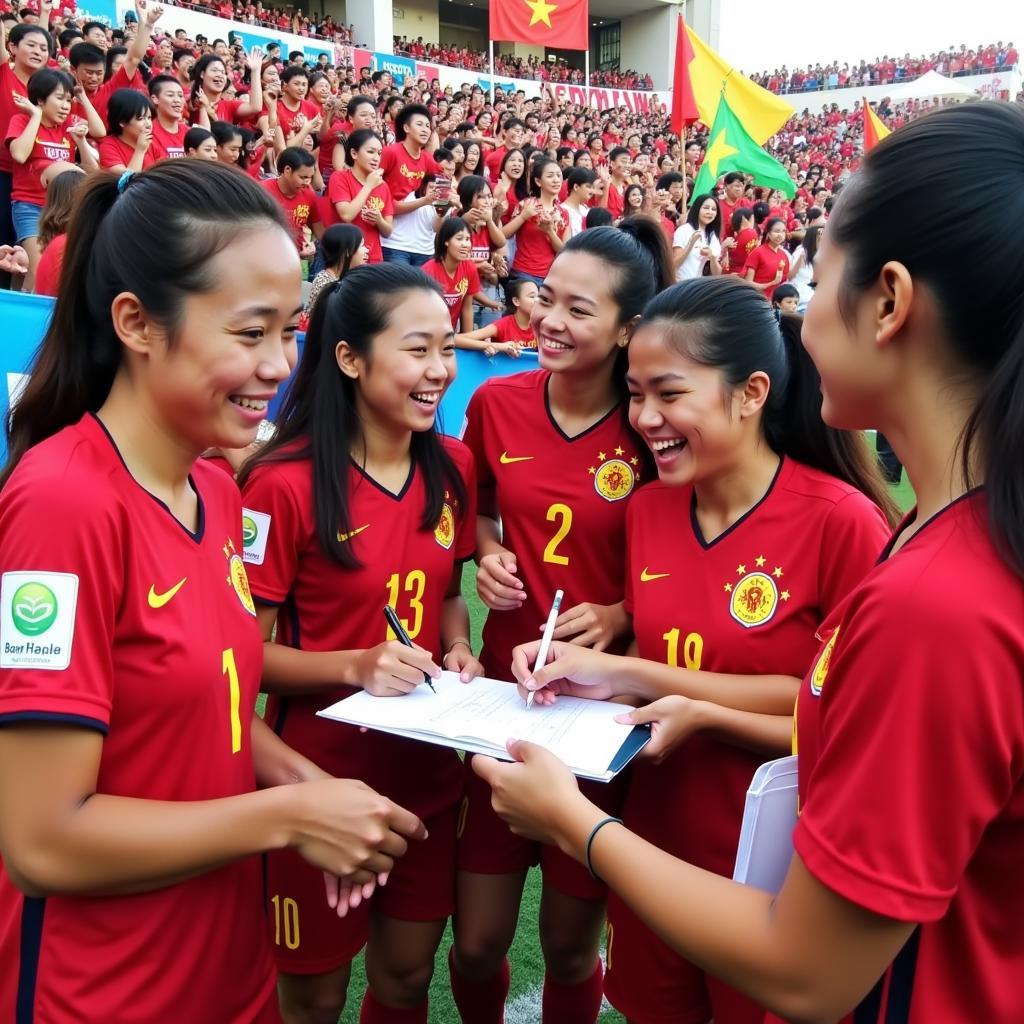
<point>169,127</point>
<point>453,269</point>
<point>768,265</point>
<point>128,146</point>
<point>735,185</point>
<point>292,192</point>
<point>53,226</point>
<point>359,195</point>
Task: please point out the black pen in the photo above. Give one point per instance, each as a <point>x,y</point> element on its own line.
<point>399,630</point>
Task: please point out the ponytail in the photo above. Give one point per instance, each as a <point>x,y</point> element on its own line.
<point>725,324</point>
<point>203,206</point>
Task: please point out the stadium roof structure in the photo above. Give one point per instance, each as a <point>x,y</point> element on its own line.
<point>599,9</point>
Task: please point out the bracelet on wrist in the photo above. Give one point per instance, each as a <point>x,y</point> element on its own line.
<point>610,820</point>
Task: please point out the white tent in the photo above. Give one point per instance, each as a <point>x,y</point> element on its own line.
<point>932,85</point>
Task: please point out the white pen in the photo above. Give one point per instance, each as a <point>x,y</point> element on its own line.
<point>545,642</point>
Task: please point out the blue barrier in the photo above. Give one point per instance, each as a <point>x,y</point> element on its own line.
<point>25,318</point>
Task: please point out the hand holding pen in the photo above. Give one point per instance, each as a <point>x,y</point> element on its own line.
<point>545,641</point>
<point>394,668</point>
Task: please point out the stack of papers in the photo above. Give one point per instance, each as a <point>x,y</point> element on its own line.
<point>769,817</point>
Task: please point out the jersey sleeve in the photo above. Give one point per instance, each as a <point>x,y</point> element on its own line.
<point>921,723</point>
<point>473,439</point>
<point>631,517</point>
<point>15,127</point>
<point>682,236</point>
<point>389,201</point>
<point>272,509</point>
<point>63,577</point>
<point>853,538</point>
<point>465,537</point>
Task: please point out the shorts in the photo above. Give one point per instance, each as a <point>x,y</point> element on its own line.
<point>410,259</point>
<point>26,219</point>
<point>487,846</point>
<point>646,980</point>
<point>309,938</point>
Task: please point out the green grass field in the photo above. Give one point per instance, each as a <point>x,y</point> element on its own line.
<point>525,956</point>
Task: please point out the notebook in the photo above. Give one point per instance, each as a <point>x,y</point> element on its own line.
<point>769,817</point>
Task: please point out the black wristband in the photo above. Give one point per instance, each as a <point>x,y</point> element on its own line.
<point>590,841</point>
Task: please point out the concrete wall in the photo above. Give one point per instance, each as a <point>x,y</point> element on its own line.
<point>414,18</point>
<point>646,44</point>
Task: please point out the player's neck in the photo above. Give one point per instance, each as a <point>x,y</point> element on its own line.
<point>728,495</point>
<point>382,448</point>
<point>413,148</point>
<point>522,320</point>
<point>171,124</point>
<point>578,400</point>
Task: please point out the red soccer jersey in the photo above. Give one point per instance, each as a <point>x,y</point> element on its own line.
<point>728,209</point>
<point>561,500</point>
<point>616,200</point>
<point>326,607</point>
<point>343,187</point>
<point>534,254</point>
<point>51,146</point>
<point>118,619</point>
<point>748,603</point>
<point>100,99</point>
<point>910,730</point>
<point>464,282</point>
<point>10,84</point>
<point>301,208</point>
<point>48,271</point>
<point>509,330</point>
<point>402,174</point>
<point>287,117</point>
<point>481,243</point>
<point>492,163</point>
<point>766,263</point>
<point>115,151</point>
<point>746,243</point>
<point>168,145</point>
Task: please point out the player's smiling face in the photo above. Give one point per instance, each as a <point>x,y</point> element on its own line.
<point>235,345</point>
<point>694,424</point>
<point>400,382</point>
<point>575,319</point>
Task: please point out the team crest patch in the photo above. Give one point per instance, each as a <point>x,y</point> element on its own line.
<point>444,532</point>
<point>614,478</point>
<point>237,578</point>
<point>820,670</point>
<point>754,600</point>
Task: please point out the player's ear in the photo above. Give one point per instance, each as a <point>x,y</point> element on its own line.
<point>133,325</point>
<point>626,331</point>
<point>348,362</point>
<point>754,393</point>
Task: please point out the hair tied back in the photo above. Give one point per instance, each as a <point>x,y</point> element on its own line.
<point>123,181</point>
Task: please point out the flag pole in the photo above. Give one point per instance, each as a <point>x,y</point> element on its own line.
<point>491,50</point>
<point>586,74</point>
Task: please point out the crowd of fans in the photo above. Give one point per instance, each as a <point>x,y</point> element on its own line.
<point>883,71</point>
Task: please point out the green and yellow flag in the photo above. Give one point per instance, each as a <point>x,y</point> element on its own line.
<point>730,148</point>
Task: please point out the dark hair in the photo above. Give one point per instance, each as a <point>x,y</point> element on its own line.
<point>739,215</point>
<point>633,188</point>
<point>980,300</point>
<point>159,81</point>
<point>536,169</point>
<point>598,217</point>
<point>90,25</point>
<point>293,71</point>
<point>722,323</point>
<point>195,137</point>
<point>768,225</point>
<point>67,36</point>
<point>223,132</point>
<point>356,102</point>
<point>512,122</point>
<point>178,55</point>
<point>761,211</point>
<point>319,409</point>
<point>338,244</point>
<point>295,158</point>
<point>812,239</point>
<point>357,140</point>
<point>580,176</point>
<point>693,217</point>
<point>201,206</point>
<point>443,153</point>
<point>784,291</point>
<point>616,152</point>
<point>734,176</point>
<point>108,60</point>
<point>405,114</point>
<point>199,69</point>
<point>126,104</point>
<point>513,287</point>
<point>448,230</point>
<point>469,188</point>
<point>46,81</point>
<point>56,215</point>
<point>520,186</point>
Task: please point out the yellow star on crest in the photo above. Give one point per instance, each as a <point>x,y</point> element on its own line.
<point>542,12</point>
<point>717,152</point>
<point>759,561</point>
<point>728,588</point>
<point>785,595</point>
<point>634,461</point>
<point>592,471</point>
<point>740,570</point>
<point>619,451</point>
<point>778,572</point>
<point>602,456</point>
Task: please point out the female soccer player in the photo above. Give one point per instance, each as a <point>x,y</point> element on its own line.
<point>558,465</point>
<point>907,850</point>
<point>129,752</point>
<point>128,144</point>
<point>728,403</point>
<point>357,503</point>
<point>453,269</point>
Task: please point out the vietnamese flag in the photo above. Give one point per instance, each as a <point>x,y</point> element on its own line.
<point>684,104</point>
<point>555,23</point>
<point>874,129</point>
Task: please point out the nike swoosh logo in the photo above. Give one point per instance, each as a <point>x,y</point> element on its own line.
<point>507,460</point>
<point>646,576</point>
<point>159,600</point>
<point>344,537</point>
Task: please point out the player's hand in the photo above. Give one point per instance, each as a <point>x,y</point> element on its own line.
<point>392,670</point>
<point>462,660</point>
<point>591,625</point>
<point>344,894</point>
<point>13,259</point>
<point>344,827</point>
<point>497,582</point>
<point>571,670</point>
<point>672,720</point>
<point>535,794</point>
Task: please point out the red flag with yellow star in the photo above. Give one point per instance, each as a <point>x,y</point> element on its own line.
<point>556,23</point>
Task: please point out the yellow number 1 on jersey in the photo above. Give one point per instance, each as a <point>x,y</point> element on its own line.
<point>229,669</point>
